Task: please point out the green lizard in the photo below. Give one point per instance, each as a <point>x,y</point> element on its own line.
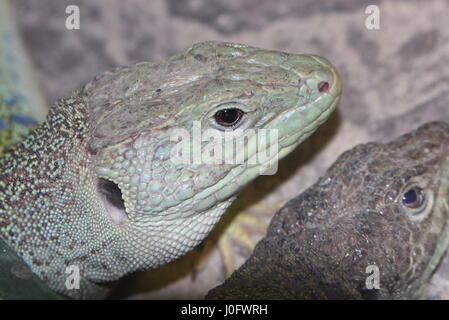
<point>96,187</point>
<point>379,207</point>
<point>22,105</point>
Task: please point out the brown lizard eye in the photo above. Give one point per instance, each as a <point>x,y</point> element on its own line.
<point>228,117</point>
<point>416,202</point>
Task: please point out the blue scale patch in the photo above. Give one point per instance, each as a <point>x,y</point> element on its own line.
<point>2,125</point>
<point>10,101</point>
<point>23,120</point>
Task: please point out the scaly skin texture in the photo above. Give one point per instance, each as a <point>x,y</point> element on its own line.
<point>320,243</point>
<point>95,186</point>
<point>21,103</point>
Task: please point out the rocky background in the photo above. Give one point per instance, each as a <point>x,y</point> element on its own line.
<point>395,79</point>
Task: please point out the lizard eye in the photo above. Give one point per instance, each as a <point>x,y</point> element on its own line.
<point>416,202</point>
<point>228,117</point>
<point>413,198</point>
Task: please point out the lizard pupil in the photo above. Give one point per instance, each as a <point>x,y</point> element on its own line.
<point>228,117</point>
<point>413,198</point>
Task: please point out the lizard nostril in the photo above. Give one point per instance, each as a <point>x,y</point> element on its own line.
<point>323,86</point>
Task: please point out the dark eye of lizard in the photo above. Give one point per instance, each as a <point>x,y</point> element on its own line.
<point>228,117</point>
<point>413,198</point>
<point>416,202</point>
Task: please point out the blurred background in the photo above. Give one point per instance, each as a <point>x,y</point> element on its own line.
<point>395,79</point>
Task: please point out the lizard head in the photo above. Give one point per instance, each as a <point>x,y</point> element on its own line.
<point>380,211</point>
<point>164,172</point>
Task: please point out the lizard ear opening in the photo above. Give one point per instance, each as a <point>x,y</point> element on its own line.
<point>111,196</point>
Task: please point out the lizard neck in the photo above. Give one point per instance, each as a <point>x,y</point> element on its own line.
<point>53,216</point>
<point>45,207</point>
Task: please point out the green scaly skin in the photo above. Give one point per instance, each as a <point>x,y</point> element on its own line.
<point>21,103</point>
<point>95,186</point>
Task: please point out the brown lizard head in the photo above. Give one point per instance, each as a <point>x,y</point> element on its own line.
<point>381,206</point>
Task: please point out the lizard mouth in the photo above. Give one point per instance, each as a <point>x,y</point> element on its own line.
<point>112,198</point>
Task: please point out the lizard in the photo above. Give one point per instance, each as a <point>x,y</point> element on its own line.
<point>381,210</point>
<point>96,185</point>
